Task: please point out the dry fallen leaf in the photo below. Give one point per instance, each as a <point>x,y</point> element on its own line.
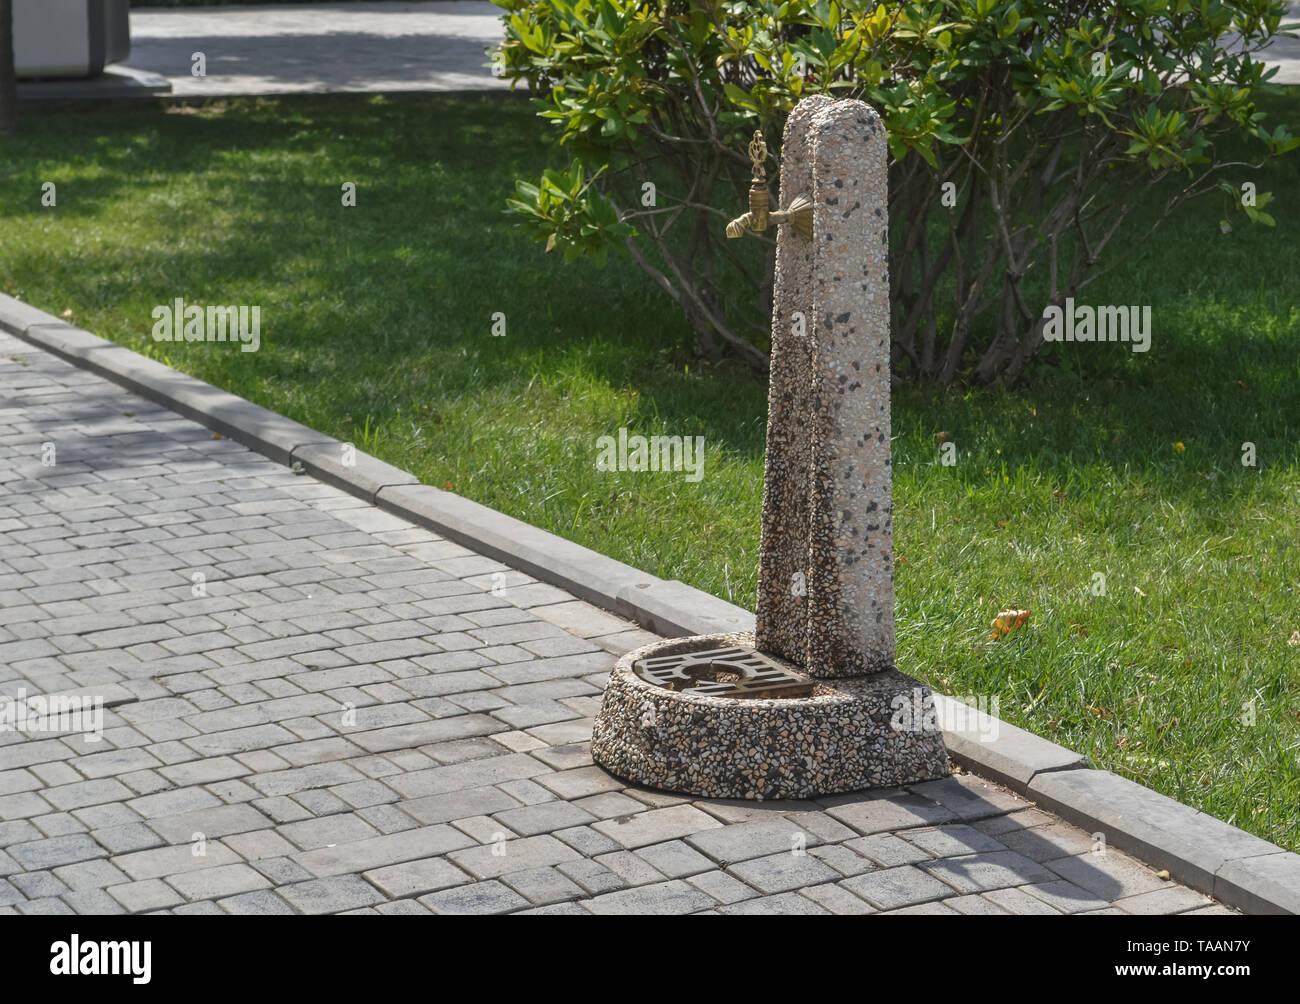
<point>1163,874</point>
<point>1007,621</point>
<point>1294,639</point>
<point>67,313</point>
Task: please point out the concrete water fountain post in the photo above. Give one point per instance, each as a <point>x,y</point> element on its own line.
<point>811,703</point>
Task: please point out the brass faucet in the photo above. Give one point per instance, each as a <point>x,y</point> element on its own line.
<point>800,213</point>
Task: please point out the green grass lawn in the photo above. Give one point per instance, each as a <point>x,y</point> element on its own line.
<point>376,328</point>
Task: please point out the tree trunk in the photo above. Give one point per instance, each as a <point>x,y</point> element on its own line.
<point>8,85</point>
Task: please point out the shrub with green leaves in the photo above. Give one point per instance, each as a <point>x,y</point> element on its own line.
<point>1021,134</point>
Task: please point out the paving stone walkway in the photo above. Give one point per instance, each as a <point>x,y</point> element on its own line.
<point>346,713</point>
<point>432,46</point>
<point>331,47</point>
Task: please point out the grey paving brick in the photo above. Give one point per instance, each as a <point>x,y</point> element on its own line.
<point>199,772</point>
<point>106,814</point>
<point>239,740</point>
<point>281,870</point>
<point>38,885</point>
<point>289,782</point>
<point>93,902</point>
<point>9,894</point>
<point>1109,876</point>
<point>164,861</point>
<point>543,886</point>
<point>96,874</point>
<point>18,780</point>
<point>554,910</point>
<point>123,839</point>
<point>888,813</point>
<point>891,888</point>
<point>1173,899</point>
<point>527,792</point>
<point>402,908</point>
<point>630,868</point>
<point>173,803</point>
<point>389,849</point>
<point>202,908</point>
<point>521,854</point>
<point>476,774</point>
<point>979,906</point>
<point>842,859</point>
<point>114,762</point>
<point>18,831</point>
<point>950,841</point>
<point>360,794</point>
<point>282,809</point>
<point>330,895</point>
<point>1014,900</point>
<point>75,796</point>
<point>320,802</point>
<point>1047,842</point>
<point>675,859</point>
<point>754,839</point>
<point>218,883</point>
<point>887,850</point>
<point>484,829</point>
<point>23,805</point>
<point>260,903</point>
<point>836,899</point>
<point>218,821</point>
<point>327,831</point>
<point>608,804</point>
<point>1065,897</point>
<point>656,825</point>
<point>671,897</point>
<point>387,818</point>
<point>580,782</point>
<point>546,817</point>
<point>987,870</point>
<point>48,906</point>
<point>480,897</point>
<point>458,804</point>
<point>922,910</point>
<point>820,825</point>
<point>55,851</point>
<point>415,878</point>
<point>145,895</point>
<point>781,905</point>
<point>783,871</point>
<point>969,797</point>
<point>722,887</point>
<point>591,875</point>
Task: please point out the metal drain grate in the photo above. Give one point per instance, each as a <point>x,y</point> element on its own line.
<point>723,672</point>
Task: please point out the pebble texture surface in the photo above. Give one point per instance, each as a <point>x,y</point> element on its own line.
<point>781,620</point>
<point>826,589</point>
<point>842,738</point>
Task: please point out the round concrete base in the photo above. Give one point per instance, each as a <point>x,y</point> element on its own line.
<point>852,733</point>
